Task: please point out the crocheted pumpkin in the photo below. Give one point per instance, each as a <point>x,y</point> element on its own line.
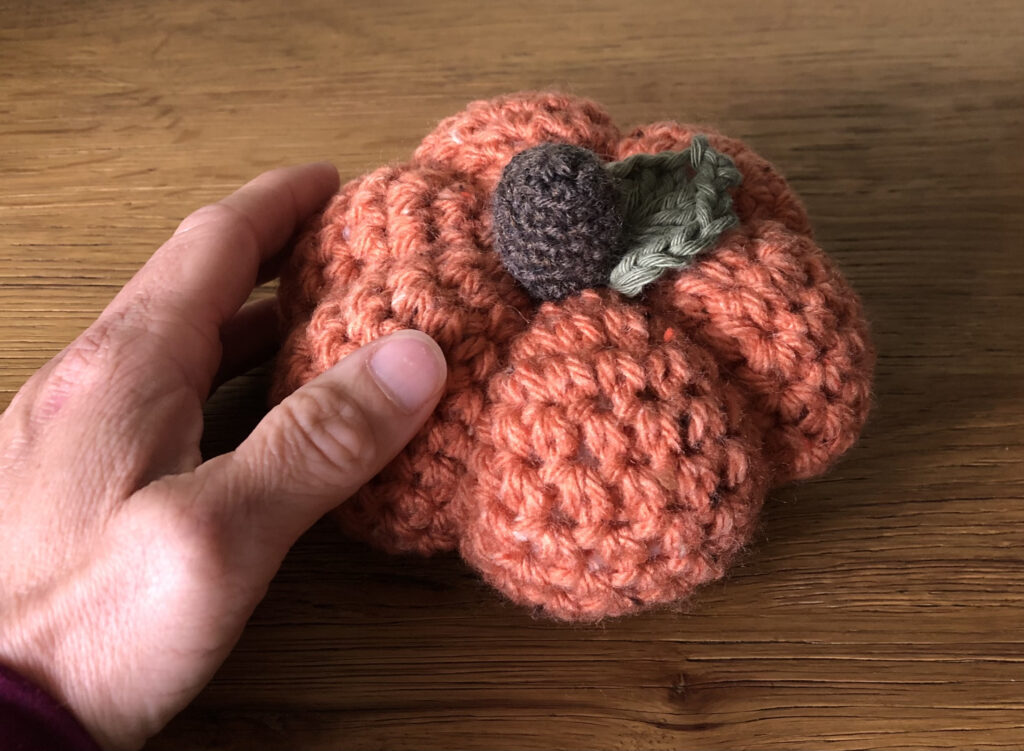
<point>642,339</point>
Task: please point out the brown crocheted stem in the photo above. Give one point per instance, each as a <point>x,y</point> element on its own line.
<point>557,222</point>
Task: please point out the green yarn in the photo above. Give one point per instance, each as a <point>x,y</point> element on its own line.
<point>675,205</point>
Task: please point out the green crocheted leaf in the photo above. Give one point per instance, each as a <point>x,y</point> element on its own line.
<point>675,205</point>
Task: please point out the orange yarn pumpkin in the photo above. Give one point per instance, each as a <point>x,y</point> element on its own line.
<point>600,454</point>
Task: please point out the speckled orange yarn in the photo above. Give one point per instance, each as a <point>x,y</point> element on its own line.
<point>601,454</point>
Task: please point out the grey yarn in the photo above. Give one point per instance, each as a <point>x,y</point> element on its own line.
<point>675,204</point>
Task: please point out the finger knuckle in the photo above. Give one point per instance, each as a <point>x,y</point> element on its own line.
<point>330,430</point>
<point>211,213</point>
<point>221,217</point>
<point>92,359</point>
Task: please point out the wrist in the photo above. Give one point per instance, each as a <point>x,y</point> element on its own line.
<point>41,651</point>
<point>32,718</point>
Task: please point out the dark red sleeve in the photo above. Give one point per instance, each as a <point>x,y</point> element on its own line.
<point>31,720</point>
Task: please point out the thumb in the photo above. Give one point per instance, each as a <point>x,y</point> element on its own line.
<point>327,439</point>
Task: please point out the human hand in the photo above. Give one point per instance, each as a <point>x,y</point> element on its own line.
<point>130,566</point>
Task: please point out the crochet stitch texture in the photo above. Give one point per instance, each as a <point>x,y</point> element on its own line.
<point>556,220</point>
<point>595,454</point>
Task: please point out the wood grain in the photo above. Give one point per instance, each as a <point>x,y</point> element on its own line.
<point>881,607</point>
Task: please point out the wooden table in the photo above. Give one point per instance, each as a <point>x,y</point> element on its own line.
<point>880,607</point>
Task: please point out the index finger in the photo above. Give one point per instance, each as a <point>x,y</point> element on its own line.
<point>204,273</point>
